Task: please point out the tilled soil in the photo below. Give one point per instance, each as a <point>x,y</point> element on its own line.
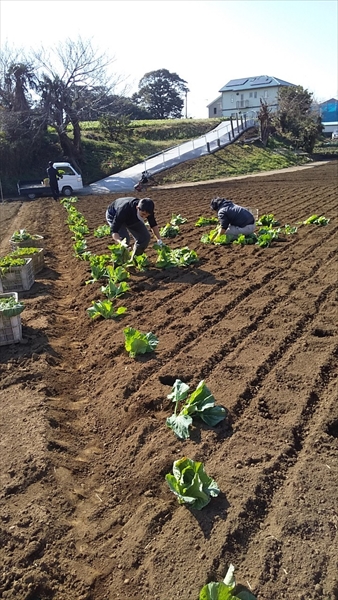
<point>85,511</point>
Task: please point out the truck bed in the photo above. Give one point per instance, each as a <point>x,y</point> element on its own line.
<point>33,187</point>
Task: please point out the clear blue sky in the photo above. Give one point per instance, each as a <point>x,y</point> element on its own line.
<point>205,42</point>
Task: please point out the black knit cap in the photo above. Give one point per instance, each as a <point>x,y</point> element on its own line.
<point>215,203</point>
<point>146,205</point>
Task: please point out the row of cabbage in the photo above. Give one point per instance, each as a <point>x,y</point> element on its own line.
<point>188,480</point>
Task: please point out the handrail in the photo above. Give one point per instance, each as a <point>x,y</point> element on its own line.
<point>224,134</point>
<point>219,137</point>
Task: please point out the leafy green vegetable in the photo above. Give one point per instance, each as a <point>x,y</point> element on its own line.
<point>214,237</point>
<point>316,220</point>
<point>21,235</point>
<point>75,217</point>
<point>267,220</point>
<point>120,254</point>
<point>100,260</point>
<point>140,261</point>
<point>99,267</point>
<point>67,202</point>
<point>139,343</point>
<point>82,229</point>
<point>85,255</point>
<point>101,231</point>
<point>117,273</point>
<point>263,237</point>
<point>169,231</point>
<point>9,262</point>
<point>80,247</point>
<point>105,309</point>
<point>177,219</point>
<point>226,589</point>
<point>181,257</point>
<point>201,403</point>
<point>191,484</point>
<point>10,307</point>
<point>202,221</point>
<point>245,240</point>
<point>184,256</point>
<point>289,229</point>
<point>24,252</point>
<point>111,290</point>
<point>266,235</point>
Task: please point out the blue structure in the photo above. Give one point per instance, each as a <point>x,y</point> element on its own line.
<point>329,111</point>
<point>329,114</point>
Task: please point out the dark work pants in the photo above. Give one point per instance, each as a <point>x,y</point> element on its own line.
<point>55,189</point>
<point>138,230</point>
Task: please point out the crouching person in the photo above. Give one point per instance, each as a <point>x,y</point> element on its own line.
<point>125,216</point>
<point>234,220</point>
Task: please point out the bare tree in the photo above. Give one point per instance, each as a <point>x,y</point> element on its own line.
<point>66,74</point>
<point>264,118</point>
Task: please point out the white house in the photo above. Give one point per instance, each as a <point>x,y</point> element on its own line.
<point>215,108</point>
<point>241,96</point>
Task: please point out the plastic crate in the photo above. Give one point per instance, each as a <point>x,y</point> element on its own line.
<point>10,327</point>
<point>38,259</point>
<point>18,279</point>
<point>36,242</point>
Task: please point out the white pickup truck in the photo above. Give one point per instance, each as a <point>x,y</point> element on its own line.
<point>70,182</point>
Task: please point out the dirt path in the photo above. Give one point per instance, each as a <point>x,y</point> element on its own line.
<point>85,512</point>
<point>236,177</point>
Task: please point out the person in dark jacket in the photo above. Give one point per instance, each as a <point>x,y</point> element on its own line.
<point>53,177</point>
<point>126,216</point>
<point>234,219</point>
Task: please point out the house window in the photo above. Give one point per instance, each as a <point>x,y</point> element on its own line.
<point>255,94</point>
<point>250,96</point>
<point>215,110</point>
<point>265,93</point>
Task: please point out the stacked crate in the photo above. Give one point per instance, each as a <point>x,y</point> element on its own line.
<point>10,324</point>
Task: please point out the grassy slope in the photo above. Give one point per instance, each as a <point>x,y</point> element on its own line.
<point>237,159</point>
<point>148,138</point>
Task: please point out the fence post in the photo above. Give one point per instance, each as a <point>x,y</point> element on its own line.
<point>232,128</point>
<point>237,121</point>
<point>245,120</point>
<point>242,122</point>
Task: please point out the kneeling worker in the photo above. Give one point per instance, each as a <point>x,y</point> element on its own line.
<point>234,220</point>
<point>126,216</point>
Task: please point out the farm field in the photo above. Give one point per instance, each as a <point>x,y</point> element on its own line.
<point>85,511</point>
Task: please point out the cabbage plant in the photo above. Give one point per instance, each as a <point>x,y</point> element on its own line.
<point>200,403</point>
<point>190,483</point>
<point>137,342</point>
<point>226,589</point>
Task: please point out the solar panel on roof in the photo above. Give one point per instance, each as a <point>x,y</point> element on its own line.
<point>235,82</point>
<point>261,81</point>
